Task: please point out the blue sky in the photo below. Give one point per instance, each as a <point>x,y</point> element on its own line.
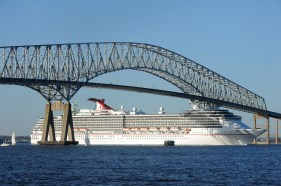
<point>239,39</point>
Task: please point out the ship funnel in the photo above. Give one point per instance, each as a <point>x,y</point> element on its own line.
<point>100,105</point>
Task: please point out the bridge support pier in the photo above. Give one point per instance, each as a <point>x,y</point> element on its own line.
<point>267,139</point>
<point>277,134</point>
<point>48,125</point>
<point>48,131</point>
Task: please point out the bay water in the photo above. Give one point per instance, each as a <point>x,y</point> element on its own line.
<point>26,164</point>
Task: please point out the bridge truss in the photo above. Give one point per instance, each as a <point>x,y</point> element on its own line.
<point>80,62</point>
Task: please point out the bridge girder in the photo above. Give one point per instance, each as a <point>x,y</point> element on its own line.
<point>82,62</point>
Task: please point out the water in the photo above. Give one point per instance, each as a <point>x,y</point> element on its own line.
<point>140,165</point>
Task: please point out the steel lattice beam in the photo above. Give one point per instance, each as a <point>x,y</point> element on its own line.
<point>28,82</point>
<point>84,61</point>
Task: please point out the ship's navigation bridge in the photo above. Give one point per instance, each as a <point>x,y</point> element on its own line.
<point>58,71</point>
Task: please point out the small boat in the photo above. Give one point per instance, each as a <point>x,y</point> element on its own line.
<point>5,144</point>
<point>13,139</point>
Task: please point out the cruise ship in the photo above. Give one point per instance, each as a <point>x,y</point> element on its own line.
<point>106,126</point>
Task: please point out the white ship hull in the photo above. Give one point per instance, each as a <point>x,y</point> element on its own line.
<point>242,137</point>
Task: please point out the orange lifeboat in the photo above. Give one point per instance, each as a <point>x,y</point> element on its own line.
<point>82,129</point>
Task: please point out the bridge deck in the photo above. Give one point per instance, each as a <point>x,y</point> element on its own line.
<point>26,82</point>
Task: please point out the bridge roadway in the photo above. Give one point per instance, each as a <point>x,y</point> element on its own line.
<point>37,82</point>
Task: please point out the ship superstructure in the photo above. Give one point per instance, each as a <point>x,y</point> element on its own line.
<point>106,126</point>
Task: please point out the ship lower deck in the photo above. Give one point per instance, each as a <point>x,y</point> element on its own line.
<point>158,139</point>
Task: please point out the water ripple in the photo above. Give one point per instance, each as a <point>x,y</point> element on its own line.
<point>140,165</point>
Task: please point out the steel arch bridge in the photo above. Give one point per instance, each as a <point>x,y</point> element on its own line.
<point>81,62</point>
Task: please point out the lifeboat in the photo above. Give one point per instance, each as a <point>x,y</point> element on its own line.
<point>79,129</point>
<point>153,129</point>
<point>174,129</point>
<point>82,129</point>
<point>164,129</point>
<point>186,130</point>
<point>134,129</point>
<point>143,129</point>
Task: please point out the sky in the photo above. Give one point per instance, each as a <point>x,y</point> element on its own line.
<point>240,40</point>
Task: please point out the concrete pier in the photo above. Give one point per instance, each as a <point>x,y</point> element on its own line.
<point>277,133</point>
<point>266,125</point>
<point>48,131</point>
